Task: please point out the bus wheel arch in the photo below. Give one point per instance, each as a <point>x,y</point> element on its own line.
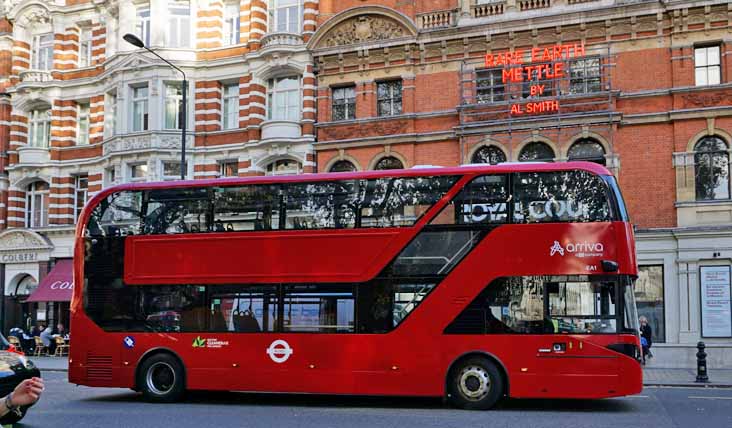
<point>160,363</point>
<point>491,365</point>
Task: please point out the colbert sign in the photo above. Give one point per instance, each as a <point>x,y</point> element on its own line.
<point>535,65</point>
<point>62,285</point>
<point>18,257</point>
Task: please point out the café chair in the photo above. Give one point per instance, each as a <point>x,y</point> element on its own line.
<point>40,347</point>
<point>61,347</point>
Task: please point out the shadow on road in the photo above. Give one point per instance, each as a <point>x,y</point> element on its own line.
<point>209,398</point>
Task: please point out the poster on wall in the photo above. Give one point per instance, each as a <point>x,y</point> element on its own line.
<point>716,311</point>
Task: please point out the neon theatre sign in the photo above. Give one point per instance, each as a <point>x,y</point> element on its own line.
<point>535,65</point>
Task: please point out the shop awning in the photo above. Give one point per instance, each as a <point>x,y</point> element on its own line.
<point>57,286</point>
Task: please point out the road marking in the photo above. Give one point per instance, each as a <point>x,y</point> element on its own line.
<point>701,397</point>
<point>638,396</point>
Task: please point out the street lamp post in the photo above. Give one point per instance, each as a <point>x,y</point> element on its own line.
<point>135,41</point>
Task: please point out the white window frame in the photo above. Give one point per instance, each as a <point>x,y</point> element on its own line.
<point>292,108</point>
<point>32,195</point>
<point>110,114</point>
<point>81,189</point>
<point>144,102</point>
<point>232,24</point>
<point>707,69</point>
<point>42,52</point>
<point>39,123</point>
<point>142,23</point>
<point>85,47</point>
<point>229,162</point>
<point>130,172</point>
<point>179,24</point>
<point>172,101</point>
<point>275,24</point>
<point>230,106</point>
<point>82,115</point>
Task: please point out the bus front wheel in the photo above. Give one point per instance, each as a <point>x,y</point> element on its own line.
<point>161,379</point>
<point>475,384</point>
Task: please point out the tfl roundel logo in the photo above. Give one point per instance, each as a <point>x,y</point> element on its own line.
<point>279,351</point>
<point>129,342</point>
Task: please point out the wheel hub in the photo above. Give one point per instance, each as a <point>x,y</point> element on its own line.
<point>474,383</point>
<point>160,378</point>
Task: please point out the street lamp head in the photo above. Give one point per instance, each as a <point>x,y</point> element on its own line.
<point>133,40</point>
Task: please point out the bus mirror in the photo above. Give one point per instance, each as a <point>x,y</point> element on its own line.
<point>610,266</point>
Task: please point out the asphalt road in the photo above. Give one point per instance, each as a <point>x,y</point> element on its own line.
<point>66,405</point>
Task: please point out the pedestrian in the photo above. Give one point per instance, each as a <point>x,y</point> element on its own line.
<point>25,394</point>
<point>647,334</point>
<point>48,341</point>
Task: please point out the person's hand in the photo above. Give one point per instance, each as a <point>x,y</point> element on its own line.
<point>27,392</point>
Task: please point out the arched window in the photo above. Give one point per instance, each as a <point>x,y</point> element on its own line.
<point>26,286</point>
<point>587,149</point>
<point>36,204</point>
<point>343,166</point>
<point>488,154</point>
<point>284,167</point>
<point>711,164</point>
<point>536,152</point>
<point>389,162</point>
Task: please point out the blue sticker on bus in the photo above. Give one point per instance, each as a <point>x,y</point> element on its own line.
<point>129,342</point>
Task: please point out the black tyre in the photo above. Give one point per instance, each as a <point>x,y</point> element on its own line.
<point>12,417</point>
<point>475,384</point>
<point>161,379</point>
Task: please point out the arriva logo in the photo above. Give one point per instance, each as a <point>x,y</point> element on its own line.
<point>556,248</point>
<point>578,249</point>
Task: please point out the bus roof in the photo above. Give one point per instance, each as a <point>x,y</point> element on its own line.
<point>331,176</point>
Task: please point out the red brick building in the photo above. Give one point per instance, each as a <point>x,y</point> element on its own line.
<point>292,86</point>
<point>644,88</point>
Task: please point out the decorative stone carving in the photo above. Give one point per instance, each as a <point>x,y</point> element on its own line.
<point>707,100</point>
<point>34,15</point>
<point>144,142</point>
<point>7,5</point>
<point>392,127</point>
<point>364,29</point>
<point>13,240</point>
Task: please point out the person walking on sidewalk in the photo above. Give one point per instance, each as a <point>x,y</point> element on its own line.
<point>646,333</point>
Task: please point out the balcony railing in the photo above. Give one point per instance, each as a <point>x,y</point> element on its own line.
<point>35,76</point>
<point>533,4</point>
<point>488,9</point>
<point>438,19</point>
<point>281,39</point>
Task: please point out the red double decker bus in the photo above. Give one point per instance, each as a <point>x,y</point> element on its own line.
<point>472,283</point>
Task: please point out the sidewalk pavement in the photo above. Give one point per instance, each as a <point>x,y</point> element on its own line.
<point>686,377</point>
<point>651,376</point>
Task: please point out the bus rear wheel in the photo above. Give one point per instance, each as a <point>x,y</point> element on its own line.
<point>160,379</point>
<point>475,384</point>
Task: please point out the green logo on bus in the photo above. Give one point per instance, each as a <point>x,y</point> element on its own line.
<point>199,342</point>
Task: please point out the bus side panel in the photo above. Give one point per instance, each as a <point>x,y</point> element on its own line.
<point>256,257</point>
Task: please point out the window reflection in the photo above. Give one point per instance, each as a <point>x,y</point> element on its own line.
<point>544,305</point>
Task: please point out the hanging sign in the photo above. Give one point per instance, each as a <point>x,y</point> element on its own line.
<point>535,65</point>
<point>716,313</point>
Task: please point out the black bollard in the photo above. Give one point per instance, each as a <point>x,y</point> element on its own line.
<point>701,364</point>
